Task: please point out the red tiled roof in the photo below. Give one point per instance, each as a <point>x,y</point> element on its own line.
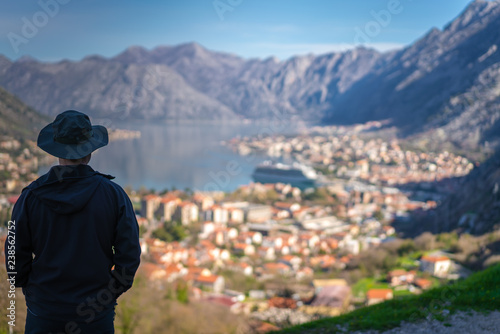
<point>266,327</point>
<point>379,294</point>
<point>288,257</point>
<point>183,204</point>
<point>423,283</point>
<point>226,301</point>
<point>281,302</point>
<point>150,197</point>
<point>207,279</point>
<point>275,266</point>
<point>397,272</point>
<point>283,205</point>
<point>169,198</point>
<point>429,258</point>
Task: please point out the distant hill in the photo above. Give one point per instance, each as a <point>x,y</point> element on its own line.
<point>17,120</point>
<point>446,85</point>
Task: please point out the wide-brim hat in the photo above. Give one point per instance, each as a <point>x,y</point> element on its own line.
<point>72,136</point>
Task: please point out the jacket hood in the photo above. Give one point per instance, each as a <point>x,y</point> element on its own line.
<point>67,189</point>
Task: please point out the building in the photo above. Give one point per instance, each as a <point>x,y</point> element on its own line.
<point>257,213</point>
<point>236,211</point>
<point>282,302</point>
<point>423,283</point>
<point>435,265</point>
<point>149,205</point>
<point>217,214</point>
<point>204,201</point>
<point>332,300</point>
<point>243,249</point>
<point>211,282</point>
<point>332,297</point>
<point>186,213</point>
<point>167,207</point>
<point>400,277</point>
<point>375,296</point>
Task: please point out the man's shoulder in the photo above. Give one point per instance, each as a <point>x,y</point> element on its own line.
<point>107,180</point>
<point>36,183</point>
<point>106,176</point>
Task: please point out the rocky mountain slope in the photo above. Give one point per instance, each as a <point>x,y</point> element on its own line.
<point>187,81</point>
<point>446,81</point>
<point>474,208</point>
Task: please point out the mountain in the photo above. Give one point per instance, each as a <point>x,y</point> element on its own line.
<point>474,208</point>
<point>445,85</point>
<point>187,81</point>
<point>447,81</point>
<point>108,89</point>
<point>18,120</point>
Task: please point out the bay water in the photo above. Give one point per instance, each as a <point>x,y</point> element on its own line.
<point>180,155</point>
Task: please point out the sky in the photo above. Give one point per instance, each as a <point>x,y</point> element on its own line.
<point>51,30</point>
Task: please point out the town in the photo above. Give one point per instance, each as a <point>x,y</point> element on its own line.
<point>280,254</point>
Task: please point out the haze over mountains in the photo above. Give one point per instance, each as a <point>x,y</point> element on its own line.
<point>447,81</point>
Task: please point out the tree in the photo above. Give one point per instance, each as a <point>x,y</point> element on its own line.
<point>170,232</point>
<point>182,292</point>
<point>142,230</point>
<point>407,247</point>
<point>425,241</point>
<point>378,215</point>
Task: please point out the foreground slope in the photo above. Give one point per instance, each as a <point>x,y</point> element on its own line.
<point>479,292</point>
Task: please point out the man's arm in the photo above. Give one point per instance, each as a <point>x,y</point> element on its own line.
<point>127,249</point>
<point>18,249</point>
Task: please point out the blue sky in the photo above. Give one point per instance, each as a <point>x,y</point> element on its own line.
<point>73,29</point>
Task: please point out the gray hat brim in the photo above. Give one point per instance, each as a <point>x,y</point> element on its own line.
<point>72,151</point>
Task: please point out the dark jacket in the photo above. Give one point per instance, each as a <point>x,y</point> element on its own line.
<point>72,225</point>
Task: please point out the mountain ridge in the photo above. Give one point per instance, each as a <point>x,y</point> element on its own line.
<point>423,88</point>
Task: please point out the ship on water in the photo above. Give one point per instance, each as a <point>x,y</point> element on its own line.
<point>297,175</point>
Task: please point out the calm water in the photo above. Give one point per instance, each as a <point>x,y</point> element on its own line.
<point>181,155</point>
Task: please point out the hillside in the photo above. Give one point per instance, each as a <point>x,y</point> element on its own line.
<point>17,120</point>
<point>445,85</point>
<point>473,208</point>
<point>447,81</point>
<point>478,293</point>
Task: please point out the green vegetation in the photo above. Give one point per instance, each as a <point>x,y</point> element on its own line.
<point>409,261</point>
<point>363,285</point>
<point>402,293</point>
<point>148,308</point>
<point>170,232</point>
<point>479,292</point>
<point>142,230</point>
<point>238,281</point>
<point>182,292</point>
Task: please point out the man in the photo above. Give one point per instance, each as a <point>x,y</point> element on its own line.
<point>72,226</point>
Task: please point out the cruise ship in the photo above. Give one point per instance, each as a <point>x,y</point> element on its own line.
<point>297,175</point>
